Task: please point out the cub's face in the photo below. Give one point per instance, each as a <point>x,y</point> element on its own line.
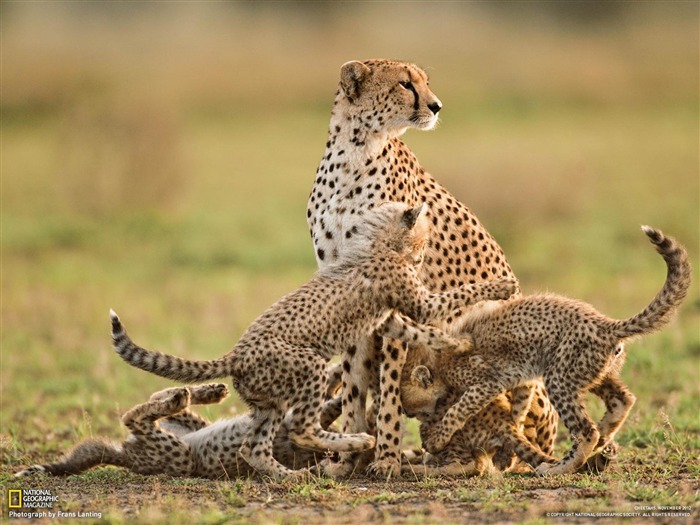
<point>399,228</point>
<point>389,227</point>
<point>388,95</point>
<point>420,392</point>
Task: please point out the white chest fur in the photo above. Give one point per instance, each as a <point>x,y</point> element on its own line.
<point>350,180</point>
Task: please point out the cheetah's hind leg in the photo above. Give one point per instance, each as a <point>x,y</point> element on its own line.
<point>522,398</point>
<point>306,430</point>
<point>581,428</point>
<point>161,404</point>
<point>525,450</point>
<point>618,402</point>
<point>256,448</point>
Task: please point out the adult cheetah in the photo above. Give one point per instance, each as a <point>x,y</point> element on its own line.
<point>279,363</point>
<point>366,163</point>
<point>572,346</point>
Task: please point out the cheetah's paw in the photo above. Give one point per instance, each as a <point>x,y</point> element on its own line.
<point>337,469</point>
<point>435,440</point>
<point>177,399</point>
<point>505,288</point>
<point>367,441</point>
<point>295,476</point>
<point>465,343</point>
<point>208,394</point>
<point>554,469</point>
<point>220,392</point>
<point>385,468</point>
<point>600,460</point>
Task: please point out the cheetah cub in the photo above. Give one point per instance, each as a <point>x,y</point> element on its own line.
<point>168,438</point>
<point>569,344</point>
<point>279,362</point>
<point>486,443</point>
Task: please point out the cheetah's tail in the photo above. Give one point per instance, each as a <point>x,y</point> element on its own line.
<point>90,453</point>
<point>162,364</point>
<point>664,306</point>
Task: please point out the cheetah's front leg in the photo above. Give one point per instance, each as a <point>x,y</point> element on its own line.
<point>150,449</point>
<point>387,458</point>
<point>398,326</point>
<point>187,421</point>
<point>256,448</point>
<point>306,430</point>
<point>477,394</point>
<point>618,402</point>
<point>441,306</point>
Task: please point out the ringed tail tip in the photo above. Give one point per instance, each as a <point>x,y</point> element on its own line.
<point>655,236</point>
<point>116,323</point>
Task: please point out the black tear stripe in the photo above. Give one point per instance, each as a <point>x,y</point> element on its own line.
<point>415,95</point>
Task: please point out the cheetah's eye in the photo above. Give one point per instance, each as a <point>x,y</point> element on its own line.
<point>406,85</point>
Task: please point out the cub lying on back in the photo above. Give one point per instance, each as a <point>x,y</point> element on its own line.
<point>568,343</point>
<point>279,363</point>
<point>168,438</point>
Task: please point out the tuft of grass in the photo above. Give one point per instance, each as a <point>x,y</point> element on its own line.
<point>233,497</point>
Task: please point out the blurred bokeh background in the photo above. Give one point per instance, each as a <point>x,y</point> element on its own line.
<point>157,158</point>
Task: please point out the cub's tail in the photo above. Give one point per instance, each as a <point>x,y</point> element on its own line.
<point>664,306</point>
<point>90,453</point>
<point>164,365</point>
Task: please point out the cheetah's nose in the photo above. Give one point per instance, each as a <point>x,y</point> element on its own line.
<point>435,107</point>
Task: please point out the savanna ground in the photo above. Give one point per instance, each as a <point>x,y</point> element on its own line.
<point>157,160</point>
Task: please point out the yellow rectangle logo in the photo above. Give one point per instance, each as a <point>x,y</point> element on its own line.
<point>14,498</point>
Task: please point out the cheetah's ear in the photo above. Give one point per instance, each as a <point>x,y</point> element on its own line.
<point>410,216</point>
<point>421,376</point>
<point>352,74</point>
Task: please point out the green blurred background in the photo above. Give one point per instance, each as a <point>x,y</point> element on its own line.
<point>157,157</point>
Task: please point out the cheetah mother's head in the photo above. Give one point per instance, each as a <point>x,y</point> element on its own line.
<point>387,95</point>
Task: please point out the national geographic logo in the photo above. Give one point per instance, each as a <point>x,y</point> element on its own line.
<point>30,499</point>
<point>38,504</point>
<point>15,499</point>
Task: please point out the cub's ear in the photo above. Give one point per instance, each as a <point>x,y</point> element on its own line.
<point>421,376</point>
<point>410,216</point>
<point>352,74</point>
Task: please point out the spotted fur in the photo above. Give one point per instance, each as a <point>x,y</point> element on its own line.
<point>168,438</point>
<point>279,363</point>
<point>366,163</point>
<point>488,442</point>
<point>572,346</point>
